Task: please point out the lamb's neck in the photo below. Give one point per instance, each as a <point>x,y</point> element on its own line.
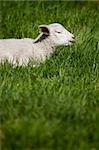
<point>45,42</point>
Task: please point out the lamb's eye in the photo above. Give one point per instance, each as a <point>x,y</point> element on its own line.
<point>58,32</point>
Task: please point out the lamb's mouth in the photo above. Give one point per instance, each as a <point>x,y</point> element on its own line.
<point>72,40</point>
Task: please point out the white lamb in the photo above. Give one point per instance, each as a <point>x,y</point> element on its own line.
<point>20,51</point>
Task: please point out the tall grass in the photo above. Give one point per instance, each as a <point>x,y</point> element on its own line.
<point>56,105</point>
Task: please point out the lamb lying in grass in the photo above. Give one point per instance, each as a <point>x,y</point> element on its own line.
<point>20,51</point>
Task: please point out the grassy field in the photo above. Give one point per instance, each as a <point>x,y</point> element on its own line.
<point>54,106</point>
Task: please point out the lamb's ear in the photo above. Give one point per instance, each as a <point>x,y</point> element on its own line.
<point>44,29</point>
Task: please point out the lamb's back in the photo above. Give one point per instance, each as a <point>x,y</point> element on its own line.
<point>13,45</point>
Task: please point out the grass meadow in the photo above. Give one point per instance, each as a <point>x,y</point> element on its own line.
<point>54,106</point>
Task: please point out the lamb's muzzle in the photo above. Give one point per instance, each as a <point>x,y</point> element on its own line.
<point>20,51</point>
<point>73,40</point>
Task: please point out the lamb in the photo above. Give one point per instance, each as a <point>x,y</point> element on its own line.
<point>20,51</point>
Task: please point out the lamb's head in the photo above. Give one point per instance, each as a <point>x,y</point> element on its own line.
<point>57,33</point>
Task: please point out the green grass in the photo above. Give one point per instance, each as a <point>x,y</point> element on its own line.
<point>54,106</point>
